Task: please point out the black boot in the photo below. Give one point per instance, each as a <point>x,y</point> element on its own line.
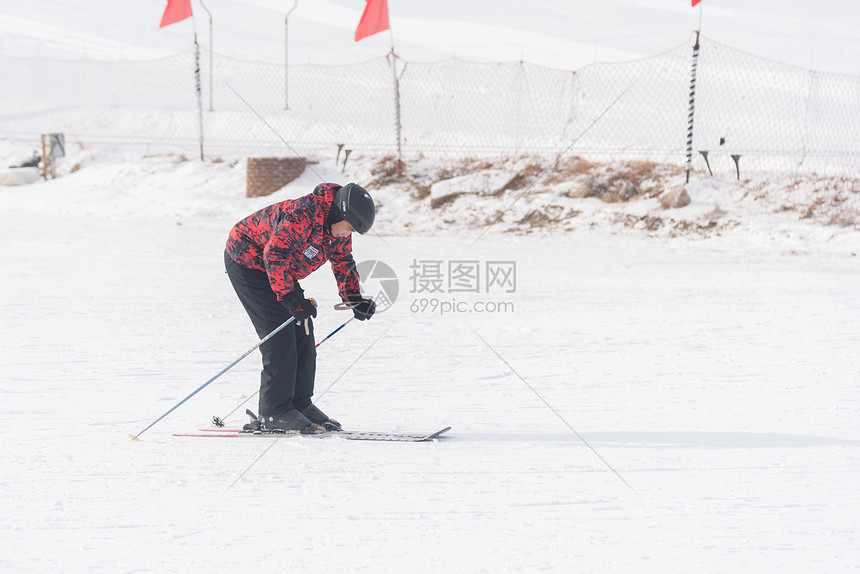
<point>318,417</point>
<point>290,421</point>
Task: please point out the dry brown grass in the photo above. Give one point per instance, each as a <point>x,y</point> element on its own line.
<point>438,202</point>
<point>421,192</point>
<point>525,177</point>
<point>627,181</point>
<point>546,216</point>
<point>646,222</point>
<point>386,171</point>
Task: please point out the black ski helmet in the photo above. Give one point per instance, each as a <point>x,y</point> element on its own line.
<point>356,206</point>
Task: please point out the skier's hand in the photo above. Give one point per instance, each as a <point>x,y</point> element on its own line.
<point>362,308</point>
<point>299,307</point>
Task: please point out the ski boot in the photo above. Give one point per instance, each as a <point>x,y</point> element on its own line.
<point>290,421</point>
<point>318,417</point>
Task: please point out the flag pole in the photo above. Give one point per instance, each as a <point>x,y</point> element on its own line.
<point>375,19</point>
<point>197,84</point>
<point>396,98</point>
<point>692,108</point>
<point>211,54</point>
<point>286,55</point>
<point>700,16</point>
<point>177,11</point>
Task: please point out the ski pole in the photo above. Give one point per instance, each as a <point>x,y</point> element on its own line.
<point>333,332</point>
<point>219,421</point>
<point>224,370</point>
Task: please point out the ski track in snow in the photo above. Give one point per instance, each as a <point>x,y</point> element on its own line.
<point>721,384</point>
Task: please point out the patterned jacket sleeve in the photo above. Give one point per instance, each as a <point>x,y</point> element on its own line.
<point>343,267</point>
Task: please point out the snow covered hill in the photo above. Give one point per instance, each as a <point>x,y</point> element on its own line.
<point>552,33</point>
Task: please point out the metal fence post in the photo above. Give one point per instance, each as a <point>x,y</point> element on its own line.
<point>211,42</point>
<point>692,107</point>
<point>199,92</point>
<point>396,104</point>
<point>286,56</point>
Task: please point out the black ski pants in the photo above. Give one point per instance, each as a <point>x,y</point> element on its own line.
<point>290,357</point>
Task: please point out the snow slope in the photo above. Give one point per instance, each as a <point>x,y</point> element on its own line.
<point>717,378</point>
<point>568,35</point>
<point>639,402</point>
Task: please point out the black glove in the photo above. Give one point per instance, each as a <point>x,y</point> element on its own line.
<point>362,308</point>
<point>299,307</point>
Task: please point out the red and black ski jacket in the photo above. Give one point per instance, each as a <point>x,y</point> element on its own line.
<point>291,239</point>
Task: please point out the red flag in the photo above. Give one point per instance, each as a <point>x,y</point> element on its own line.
<point>374,19</point>
<point>176,11</point>
<point>696,2</point>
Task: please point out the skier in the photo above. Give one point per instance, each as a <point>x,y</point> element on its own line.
<point>267,254</point>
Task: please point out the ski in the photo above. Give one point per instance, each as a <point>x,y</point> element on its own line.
<point>347,435</point>
<point>390,436</point>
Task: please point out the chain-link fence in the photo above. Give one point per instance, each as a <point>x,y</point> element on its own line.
<point>774,118</point>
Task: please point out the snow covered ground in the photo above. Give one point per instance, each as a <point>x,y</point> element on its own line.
<point>659,391</point>
<point>717,376</point>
